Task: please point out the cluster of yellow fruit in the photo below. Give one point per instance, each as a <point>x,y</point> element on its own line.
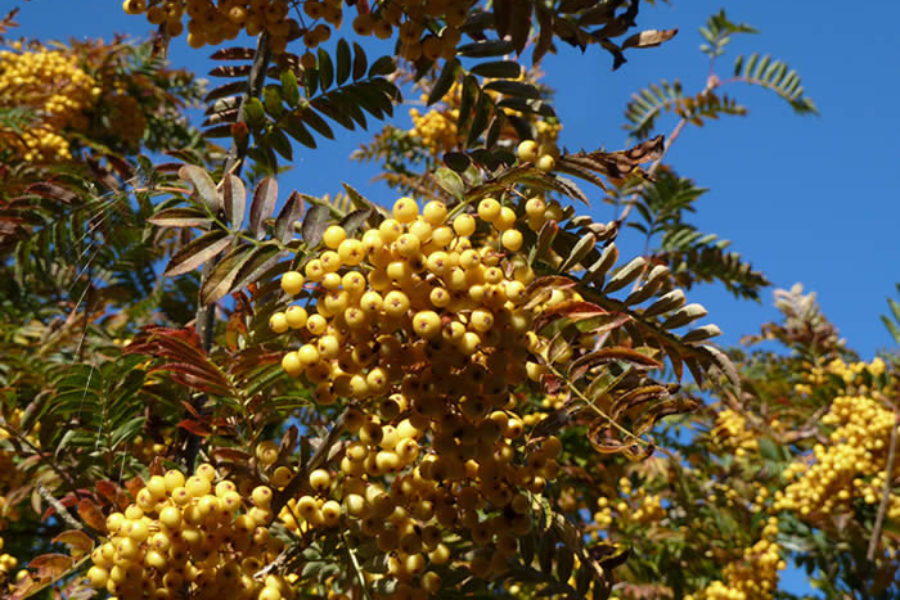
<point>211,22</point>
<point>754,577</point>
<point>190,534</point>
<point>7,564</point>
<point>850,468</point>
<point>851,373</point>
<point>51,84</point>
<point>632,508</point>
<point>436,129</point>
<point>421,325</point>
<point>417,26</point>
<point>146,450</point>
<point>438,132</point>
<point>731,433</point>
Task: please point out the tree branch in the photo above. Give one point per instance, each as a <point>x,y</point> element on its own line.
<point>886,494</point>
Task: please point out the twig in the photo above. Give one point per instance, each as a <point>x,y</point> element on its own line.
<point>61,510</point>
<point>886,494</point>
<point>357,568</point>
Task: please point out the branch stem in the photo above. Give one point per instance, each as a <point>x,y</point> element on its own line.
<point>886,494</point>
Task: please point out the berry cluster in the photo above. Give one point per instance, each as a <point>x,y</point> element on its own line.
<point>52,86</point>
<point>754,577</point>
<point>438,133</point>
<point>7,564</point>
<point>421,324</point>
<point>732,434</point>
<point>850,468</point>
<point>211,22</point>
<point>190,535</point>
<point>436,129</point>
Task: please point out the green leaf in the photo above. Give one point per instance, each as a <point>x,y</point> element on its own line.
<point>501,69</point>
<point>318,123</point>
<point>625,275</point>
<point>383,66</point>
<point>203,185</point>
<point>197,252</point>
<point>257,264</point>
<point>444,82</point>
<point>470,91</point>
<point>314,224</point>
<point>360,62</point>
<point>450,182</point>
<point>514,88</point>
<point>311,81</point>
<point>892,328</point>
<point>480,120</point>
<point>281,143</point>
<point>354,220</point>
<point>326,70</point>
<point>290,88</point>
<point>219,281</point>
<point>343,61</point>
<point>293,125</point>
<point>254,113</point>
<point>581,249</point>
<point>180,217</point>
<point>272,101</point>
<point>486,49</point>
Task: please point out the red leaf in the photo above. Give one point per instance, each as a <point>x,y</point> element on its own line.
<point>91,514</point>
<point>134,485</point>
<point>196,427</point>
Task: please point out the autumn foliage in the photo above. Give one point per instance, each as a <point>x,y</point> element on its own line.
<point>212,386</point>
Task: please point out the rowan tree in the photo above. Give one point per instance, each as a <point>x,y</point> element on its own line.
<point>213,387</point>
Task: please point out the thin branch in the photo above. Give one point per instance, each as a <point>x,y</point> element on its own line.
<point>61,510</point>
<point>886,494</point>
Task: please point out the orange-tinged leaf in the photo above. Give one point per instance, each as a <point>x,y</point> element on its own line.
<point>581,365</point>
<point>91,515</point>
<point>51,566</point>
<point>78,541</point>
<point>134,485</point>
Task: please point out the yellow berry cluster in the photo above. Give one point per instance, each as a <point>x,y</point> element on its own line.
<point>411,292</point>
<point>212,22</point>
<point>634,507</point>
<point>146,450</point>
<point>436,129</point>
<point>732,434</point>
<point>438,132</point>
<point>421,325</point>
<point>7,564</point>
<point>852,374</point>
<point>754,577</point>
<point>190,535</point>
<point>51,84</point>
<point>850,468</point>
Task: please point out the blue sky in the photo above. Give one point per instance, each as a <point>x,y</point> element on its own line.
<point>806,199</point>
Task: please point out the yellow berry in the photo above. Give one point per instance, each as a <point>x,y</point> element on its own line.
<point>292,283</point>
